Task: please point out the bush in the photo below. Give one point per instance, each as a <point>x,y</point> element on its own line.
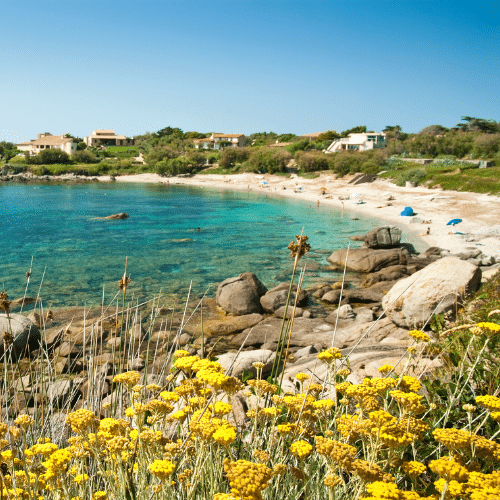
<point>416,175</point>
<point>50,157</point>
<point>174,166</point>
<point>160,154</point>
<point>269,160</point>
<point>84,156</point>
<point>231,156</point>
<point>312,161</point>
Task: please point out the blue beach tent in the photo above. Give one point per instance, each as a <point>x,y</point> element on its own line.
<point>454,221</point>
<point>408,212</point>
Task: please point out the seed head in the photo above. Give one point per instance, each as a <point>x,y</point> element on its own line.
<point>300,247</point>
<point>124,282</point>
<point>8,339</point>
<point>4,303</point>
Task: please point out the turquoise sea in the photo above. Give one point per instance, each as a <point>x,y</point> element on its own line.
<point>80,259</point>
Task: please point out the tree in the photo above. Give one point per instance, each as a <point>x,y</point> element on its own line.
<point>50,157</point>
<point>84,156</point>
<point>433,130</point>
<point>355,130</point>
<point>479,125</point>
<point>330,135</point>
<point>269,160</point>
<point>231,156</point>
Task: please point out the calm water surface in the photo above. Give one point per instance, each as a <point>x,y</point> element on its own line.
<point>79,259</point>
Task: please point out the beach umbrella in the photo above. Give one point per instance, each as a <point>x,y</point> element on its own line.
<point>454,221</point>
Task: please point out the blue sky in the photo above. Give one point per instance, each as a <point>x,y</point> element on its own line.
<point>245,66</point>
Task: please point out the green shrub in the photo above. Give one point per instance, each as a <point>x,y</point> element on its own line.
<point>416,175</point>
<point>50,157</point>
<point>231,156</point>
<point>268,160</point>
<point>312,161</point>
<point>84,156</point>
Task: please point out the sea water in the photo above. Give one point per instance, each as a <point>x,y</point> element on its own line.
<point>175,238</point>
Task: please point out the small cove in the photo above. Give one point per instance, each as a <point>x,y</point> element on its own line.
<point>77,257</point>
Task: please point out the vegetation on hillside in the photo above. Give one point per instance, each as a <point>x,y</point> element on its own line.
<point>171,151</point>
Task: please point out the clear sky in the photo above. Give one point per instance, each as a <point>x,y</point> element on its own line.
<point>245,66</point>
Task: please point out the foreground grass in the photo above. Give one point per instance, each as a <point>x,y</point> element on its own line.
<point>175,433</point>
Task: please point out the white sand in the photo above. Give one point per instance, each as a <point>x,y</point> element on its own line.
<point>480,213</point>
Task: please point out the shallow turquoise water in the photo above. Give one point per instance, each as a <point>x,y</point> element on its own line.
<point>79,257</point>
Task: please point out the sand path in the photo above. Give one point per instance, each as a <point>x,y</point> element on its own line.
<point>480,213</point>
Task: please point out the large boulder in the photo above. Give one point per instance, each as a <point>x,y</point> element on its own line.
<point>26,335</point>
<point>433,290</point>
<point>383,237</point>
<point>241,295</point>
<point>276,297</point>
<point>368,260</point>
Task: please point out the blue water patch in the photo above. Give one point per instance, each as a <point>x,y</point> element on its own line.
<point>175,235</point>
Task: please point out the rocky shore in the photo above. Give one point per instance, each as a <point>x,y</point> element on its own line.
<point>82,350</point>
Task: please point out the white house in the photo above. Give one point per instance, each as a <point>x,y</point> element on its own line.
<point>358,142</point>
<point>107,138</point>
<point>48,141</point>
<point>213,142</point>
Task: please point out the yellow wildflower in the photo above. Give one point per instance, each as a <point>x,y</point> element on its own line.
<point>419,335</point>
<point>128,379</point>
<point>247,479</point>
<point>301,449</point>
<point>491,403</point>
<point>162,469</point>
<point>413,469</point>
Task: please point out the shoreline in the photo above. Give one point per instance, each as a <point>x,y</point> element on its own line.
<point>478,212</point>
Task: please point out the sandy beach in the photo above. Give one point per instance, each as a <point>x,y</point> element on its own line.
<point>480,213</point>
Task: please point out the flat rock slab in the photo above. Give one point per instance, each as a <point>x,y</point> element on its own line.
<point>314,331</point>
<point>224,326</point>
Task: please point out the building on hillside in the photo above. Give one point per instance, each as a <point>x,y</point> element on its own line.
<point>358,142</point>
<point>107,138</point>
<point>48,141</point>
<point>220,141</point>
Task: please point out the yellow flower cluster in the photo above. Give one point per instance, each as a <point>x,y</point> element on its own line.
<point>162,469</point>
<point>419,335</point>
<point>491,403</point>
<point>24,421</point>
<point>128,379</point>
<point>370,472</point>
<point>410,402</point>
<point>301,449</point>
<point>329,355</point>
<point>340,453</point>
<point>489,327</point>
<point>57,463</point>
<point>413,469</point>
<point>449,469</point>
<point>453,439</point>
<point>247,479</point>
<point>410,384</point>
<point>82,420</point>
